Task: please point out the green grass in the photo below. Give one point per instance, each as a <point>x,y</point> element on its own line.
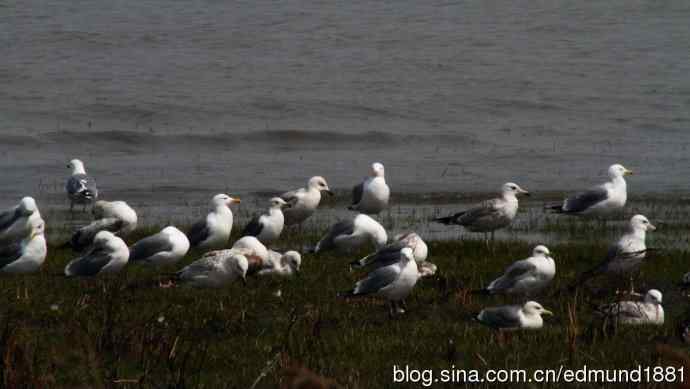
<point>91,333</point>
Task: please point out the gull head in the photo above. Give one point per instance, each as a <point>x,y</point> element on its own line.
<point>510,188</point>
<point>239,265</point>
<point>407,253</point>
<point>277,202</point>
<point>319,183</point>
<point>77,166</point>
<point>292,259</point>
<point>38,229</point>
<point>641,223</point>
<point>541,251</point>
<point>377,169</point>
<point>618,170</point>
<point>103,238</point>
<point>223,199</point>
<point>534,308</point>
<point>653,296</point>
<point>27,206</point>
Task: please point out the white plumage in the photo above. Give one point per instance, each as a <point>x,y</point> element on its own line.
<point>372,195</point>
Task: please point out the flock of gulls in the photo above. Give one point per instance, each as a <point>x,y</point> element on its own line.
<point>394,268</point>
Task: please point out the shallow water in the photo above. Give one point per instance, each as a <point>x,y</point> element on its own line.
<point>170,102</point>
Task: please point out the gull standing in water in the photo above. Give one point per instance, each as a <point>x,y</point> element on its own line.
<point>108,254</point>
<point>304,201</point>
<point>17,222</point>
<point>392,279</point>
<point>526,277</point>
<point>599,200</point>
<point>514,317</point>
<point>489,215</point>
<point>213,232</point>
<point>114,216</point>
<point>267,228</point>
<point>27,255</point>
<point>350,234</point>
<point>164,248</point>
<point>81,188</point>
<point>372,195</point>
<point>625,256</point>
<point>647,311</point>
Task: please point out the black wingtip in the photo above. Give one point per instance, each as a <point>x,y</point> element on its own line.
<point>555,208</point>
<point>443,220</point>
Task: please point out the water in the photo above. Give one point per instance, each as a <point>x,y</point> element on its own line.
<point>169,102</point>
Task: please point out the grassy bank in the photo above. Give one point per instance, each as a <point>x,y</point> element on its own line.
<point>126,332</point>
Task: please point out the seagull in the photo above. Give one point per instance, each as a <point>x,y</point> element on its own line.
<point>392,279</point>
<point>419,248</point>
<point>599,200</point>
<point>267,228</point>
<point>108,254</point>
<point>526,277</point>
<point>303,201</point>
<point>213,232</point>
<point>164,248</point>
<point>114,216</point>
<point>214,269</point>
<point>372,195</point>
<point>27,255</point>
<point>647,311</point>
<point>514,317</point>
<point>626,255</point>
<point>282,265</point>
<point>489,215</point>
<point>351,234</point>
<point>81,188</point>
<point>17,222</point>
<point>258,256</point>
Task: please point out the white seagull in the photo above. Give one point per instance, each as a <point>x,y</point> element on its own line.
<point>489,215</point>
<point>625,256</point>
<point>17,222</point>
<point>108,254</point>
<point>213,231</point>
<point>214,269</point>
<point>599,200</point>
<point>114,216</point>
<point>304,201</point>
<point>282,265</point>
<point>164,248</point>
<point>350,234</point>
<point>419,248</point>
<point>267,228</point>
<point>392,279</point>
<point>372,195</point>
<point>514,317</point>
<point>526,277</point>
<point>81,188</point>
<point>27,255</point>
<point>647,311</point>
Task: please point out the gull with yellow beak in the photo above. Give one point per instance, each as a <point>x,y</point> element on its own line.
<point>601,199</point>
<point>514,317</point>
<point>26,255</point>
<point>213,232</point>
<point>490,215</point>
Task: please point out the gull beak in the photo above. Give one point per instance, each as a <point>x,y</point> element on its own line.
<point>547,312</point>
<point>235,200</point>
<point>628,172</point>
<point>524,192</point>
<point>651,227</point>
<point>286,205</point>
<point>329,192</point>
